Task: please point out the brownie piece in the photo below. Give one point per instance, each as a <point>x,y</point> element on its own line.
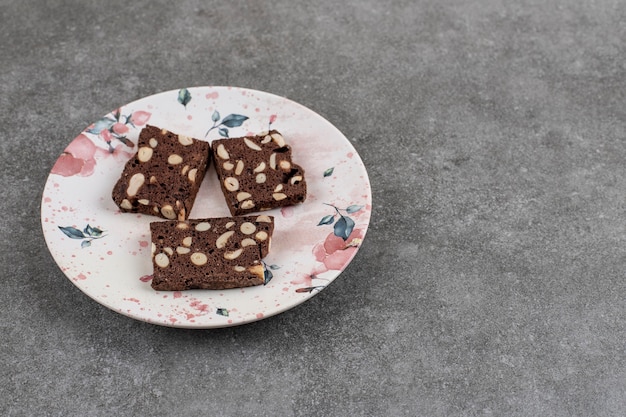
<point>164,176</point>
<point>214,253</point>
<point>256,173</point>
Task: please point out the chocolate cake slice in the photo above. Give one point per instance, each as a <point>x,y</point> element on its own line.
<point>214,253</point>
<point>164,176</point>
<point>256,173</point>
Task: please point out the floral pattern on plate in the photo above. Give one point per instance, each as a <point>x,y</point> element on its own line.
<point>313,242</point>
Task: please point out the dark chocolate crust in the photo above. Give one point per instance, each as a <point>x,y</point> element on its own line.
<point>214,253</point>
<point>256,173</point>
<point>163,177</point>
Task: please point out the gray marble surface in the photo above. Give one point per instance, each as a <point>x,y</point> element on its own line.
<point>492,279</point>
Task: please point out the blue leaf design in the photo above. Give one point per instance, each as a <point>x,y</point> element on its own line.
<point>274,267</point>
<point>222,312</point>
<point>329,172</point>
<point>267,275</point>
<point>184,96</point>
<point>92,231</point>
<point>328,219</point>
<point>85,243</point>
<point>353,209</point>
<point>215,116</point>
<point>223,132</point>
<point>344,227</point>
<point>234,120</point>
<point>103,124</point>
<point>72,232</point>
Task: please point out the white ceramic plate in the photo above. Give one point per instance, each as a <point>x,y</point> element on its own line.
<point>106,254</point>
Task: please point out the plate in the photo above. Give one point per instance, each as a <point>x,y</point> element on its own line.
<point>106,253</point>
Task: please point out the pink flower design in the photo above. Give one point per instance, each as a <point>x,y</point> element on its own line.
<point>120,128</point>
<point>77,159</point>
<point>140,117</point>
<point>335,252</point>
<point>106,136</point>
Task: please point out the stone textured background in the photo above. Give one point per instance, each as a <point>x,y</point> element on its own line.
<point>491,281</point>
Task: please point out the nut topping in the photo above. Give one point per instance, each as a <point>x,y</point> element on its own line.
<point>260,167</point>
<point>239,168</point>
<point>198,258</point>
<point>222,152</point>
<point>248,242</point>
<point>223,239</point>
<point>203,226</point>
<point>187,241</point>
<point>192,174</point>
<point>278,138</point>
<point>185,140</point>
<point>168,212</point>
<point>279,196</point>
<point>144,154</point>
<point>181,250</point>
<point>247,228</point>
<point>264,218</point>
<point>262,235</point>
<point>125,204</point>
<point>243,196</point>
<point>273,161</point>
<point>231,184</point>
<point>251,144</point>
<point>260,178</point>
<point>174,159</point>
<point>136,181</point>
<point>248,204</point>
<point>228,165</point>
<point>233,254</point>
<point>153,142</point>
<point>162,260</point>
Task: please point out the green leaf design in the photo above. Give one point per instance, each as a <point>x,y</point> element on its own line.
<point>329,172</point>
<point>222,312</point>
<point>274,267</point>
<point>72,232</point>
<point>85,243</point>
<point>328,219</point>
<point>223,132</point>
<point>215,116</point>
<point>184,97</point>
<point>234,120</point>
<point>353,209</point>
